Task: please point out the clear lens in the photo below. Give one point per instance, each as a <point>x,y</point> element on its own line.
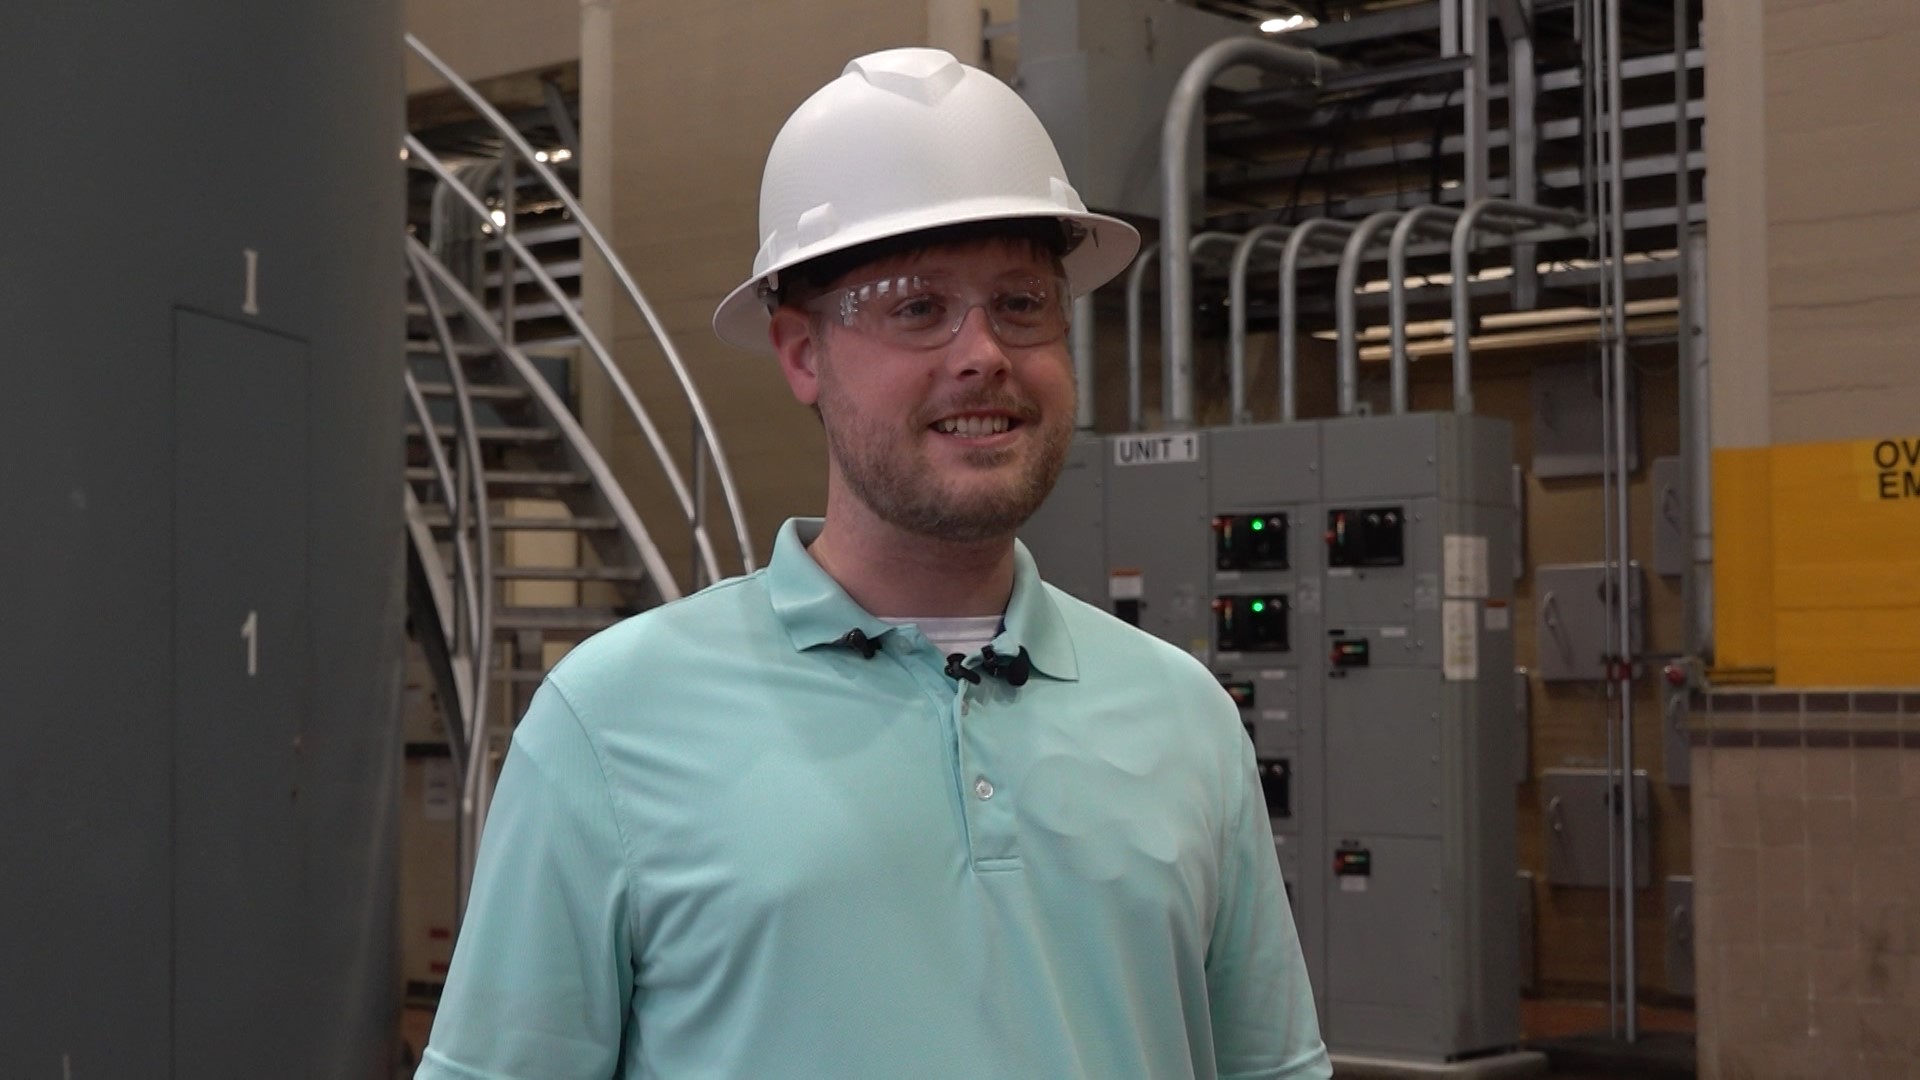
<point>927,312</point>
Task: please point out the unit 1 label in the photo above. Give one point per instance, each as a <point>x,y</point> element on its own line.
<point>1156,449</point>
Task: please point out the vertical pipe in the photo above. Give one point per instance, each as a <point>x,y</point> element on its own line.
<point>1346,313</point>
<point>1449,28</point>
<point>1177,192</point>
<point>1082,341</point>
<point>1263,236</point>
<point>1617,224</point>
<point>1176,385</point>
<point>1595,137</point>
<point>1700,439</point>
<point>1136,276</point>
<point>1523,150</point>
<point>1289,307</point>
<point>1473,41</point>
<point>1397,291</point>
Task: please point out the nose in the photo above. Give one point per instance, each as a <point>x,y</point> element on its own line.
<point>976,351</point>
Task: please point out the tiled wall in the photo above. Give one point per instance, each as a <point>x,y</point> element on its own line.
<point>1807,871</point>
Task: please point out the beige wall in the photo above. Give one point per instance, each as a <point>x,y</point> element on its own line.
<point>486,38</point>
<point>680,104</point>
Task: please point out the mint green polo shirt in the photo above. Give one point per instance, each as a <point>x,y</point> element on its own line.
<point>725,846</point>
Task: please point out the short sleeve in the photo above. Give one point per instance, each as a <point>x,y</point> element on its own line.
<point>542,972</point>
<point>1264,1024</point>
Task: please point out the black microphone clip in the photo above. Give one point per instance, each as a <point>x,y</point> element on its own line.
<point>858,641</point>
<point>1014,669</point>
<point>957,669</point>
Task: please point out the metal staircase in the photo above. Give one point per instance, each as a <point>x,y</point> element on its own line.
<point>522,540</point>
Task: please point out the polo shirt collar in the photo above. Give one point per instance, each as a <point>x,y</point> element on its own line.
<point>816,611</point>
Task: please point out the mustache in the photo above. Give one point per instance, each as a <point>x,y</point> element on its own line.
<point>985,401</point>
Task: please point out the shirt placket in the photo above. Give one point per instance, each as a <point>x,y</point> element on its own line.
<point>985,791</point>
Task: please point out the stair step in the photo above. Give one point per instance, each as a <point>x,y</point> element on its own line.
<point>555,618</point>
<point>505,482</point>
<point>476,391</point>
<point>438,518</point>
<point>493,434</point>
<point>568,573</point>
<point>430,347</point>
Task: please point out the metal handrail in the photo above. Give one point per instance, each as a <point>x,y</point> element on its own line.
<point>702,422</point>
<point>474,777</point>
<point>592,341</point>
<point>563,421</point>
<point>1269,238</point>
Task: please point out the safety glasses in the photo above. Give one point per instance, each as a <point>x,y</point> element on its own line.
<point>921,311</point>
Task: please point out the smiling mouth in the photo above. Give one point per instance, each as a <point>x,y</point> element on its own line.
<point>974,427</point>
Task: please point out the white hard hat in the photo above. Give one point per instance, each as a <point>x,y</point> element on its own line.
<point>903,141</point>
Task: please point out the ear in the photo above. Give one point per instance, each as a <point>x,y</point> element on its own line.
<point>791,333</point>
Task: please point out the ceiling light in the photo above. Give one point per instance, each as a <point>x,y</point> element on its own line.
<point>562,154</point>
<point>539,155</point>
<point>499,217</point>
<point>1290,22</point>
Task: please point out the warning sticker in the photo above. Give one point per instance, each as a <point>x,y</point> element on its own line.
<point>1465,565</point>
<point>1499,616</point>
<point>1126,585</point>
<point>1459,641</point>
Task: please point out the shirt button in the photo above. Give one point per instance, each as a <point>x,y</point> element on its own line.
<point>982,788</point>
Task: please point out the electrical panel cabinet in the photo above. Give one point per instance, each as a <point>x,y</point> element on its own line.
<point>1349,583</point>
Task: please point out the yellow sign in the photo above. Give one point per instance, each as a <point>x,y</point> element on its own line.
<point>1889,469</point>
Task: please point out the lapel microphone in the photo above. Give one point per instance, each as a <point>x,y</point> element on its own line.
<point>1014,669</point>
<point>957,669</point>
<point>859,642</point>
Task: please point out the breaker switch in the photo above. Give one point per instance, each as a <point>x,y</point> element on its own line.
<point>1370,536</point>
<point>1351,653</point>
<point>1276,784</point>
<point>1240,690</point>
<point>1250,541</point>
<point>1250,623</point>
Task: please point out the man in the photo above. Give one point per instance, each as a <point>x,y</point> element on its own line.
<point>891,807</point>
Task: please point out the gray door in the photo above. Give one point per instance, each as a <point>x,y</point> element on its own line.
<point>240,693</point>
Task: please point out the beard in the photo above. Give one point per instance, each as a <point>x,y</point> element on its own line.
<point>885,464</point>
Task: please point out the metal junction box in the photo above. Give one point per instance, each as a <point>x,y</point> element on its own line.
<point>1576,805</point>
<point>1571,619</point>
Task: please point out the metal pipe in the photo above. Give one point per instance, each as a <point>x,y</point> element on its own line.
<point>1297,242</point>
<point>1136,275</point>
<point>1346,309</point>
<point>1084,360</point>
<point>1265,236</point>
<point>1617,183</point>
<point>1473,41</point>
<point>1699,440</point>
<point>1177,192</point>
<point>1397,290</point>
<point>1523,141</point>
<point>1176,386</point>
<point>1601,207</point>
<point>1463,236</point>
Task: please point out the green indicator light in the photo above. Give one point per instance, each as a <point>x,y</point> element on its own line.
<point>1258,524</point>
<point>1259,606</point>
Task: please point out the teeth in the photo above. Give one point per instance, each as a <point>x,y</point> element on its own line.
<point>972,427</point>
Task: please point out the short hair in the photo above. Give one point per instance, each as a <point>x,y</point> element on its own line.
<point>1046,236</point>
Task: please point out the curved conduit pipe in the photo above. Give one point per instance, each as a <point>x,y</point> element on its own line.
<point>1346,309</point>
<point>1177,386</point>
<point>1176,189</point>
<point>1463,235</point>
<point>1135,277</point>
<point>1297,242</point>
<point>1268,237</point>
<point>1419,216</point>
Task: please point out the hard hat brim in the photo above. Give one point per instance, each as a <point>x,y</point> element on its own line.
<point>1108,246</point>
